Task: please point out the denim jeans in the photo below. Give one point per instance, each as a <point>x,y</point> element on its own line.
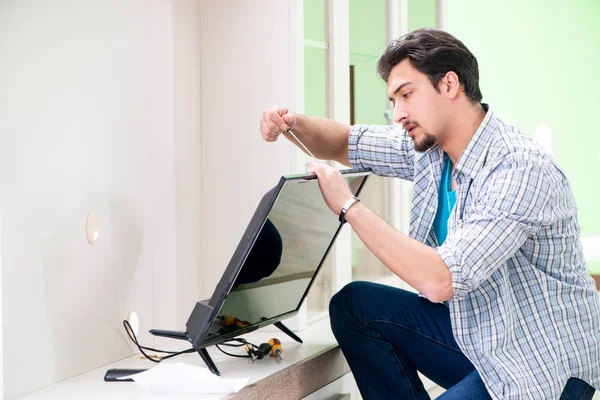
<point>388,334</point>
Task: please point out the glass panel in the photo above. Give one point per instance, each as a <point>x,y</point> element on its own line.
<point>368,22</point>
<point>365,266</point>
<point>315,86</point>
<point>315,104</point>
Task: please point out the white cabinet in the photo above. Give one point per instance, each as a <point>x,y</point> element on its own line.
<point>343,388</point>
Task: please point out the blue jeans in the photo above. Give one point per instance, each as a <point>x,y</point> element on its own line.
<point>388,334</point>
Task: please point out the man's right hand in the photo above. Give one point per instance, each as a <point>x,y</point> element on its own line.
<point>274,122</point>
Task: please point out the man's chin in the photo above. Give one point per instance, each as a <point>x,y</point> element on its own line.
<point>421,149</point>
<point>423,145</point>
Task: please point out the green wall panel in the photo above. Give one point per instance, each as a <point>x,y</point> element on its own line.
<point>314,20</point>
<point>421,14</point>
<point>540,65</point>
<point>368,39</point>
<point>315,83</point>
<point>594,267</point>
<point>370,95</point>
<point>368,27</point>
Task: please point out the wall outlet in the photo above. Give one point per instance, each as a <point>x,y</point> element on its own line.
<point>134,322</point>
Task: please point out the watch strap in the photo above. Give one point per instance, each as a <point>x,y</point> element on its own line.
<point>346,207</point>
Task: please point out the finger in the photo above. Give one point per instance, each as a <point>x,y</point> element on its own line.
<point>276,123</point>
<point>281,110</point>
<point>318,169</point>
<point>313,168</point>
<point>288,119</point>
<point>273,127</point>
<point>275,117</point>
<point>268,134</point>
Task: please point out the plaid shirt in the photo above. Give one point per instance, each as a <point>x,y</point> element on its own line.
<point>525,310</point>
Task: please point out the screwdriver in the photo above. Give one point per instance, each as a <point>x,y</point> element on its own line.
<point>276,349</point>
<point>301,144</point>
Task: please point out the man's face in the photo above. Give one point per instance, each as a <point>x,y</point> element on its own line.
<point>417,105</point>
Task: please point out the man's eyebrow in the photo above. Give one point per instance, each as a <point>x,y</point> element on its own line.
<point>398,89</point>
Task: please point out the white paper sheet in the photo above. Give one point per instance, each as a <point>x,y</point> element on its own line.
<point>185,378</point>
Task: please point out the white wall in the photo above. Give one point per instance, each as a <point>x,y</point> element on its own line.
<point>86,124</point>
<point>187,131</point>
<point>1,339</point>
<point>145,111</point>
<point>247,65</point>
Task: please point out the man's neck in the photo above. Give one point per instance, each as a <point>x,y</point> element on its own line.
<point>462,130</point>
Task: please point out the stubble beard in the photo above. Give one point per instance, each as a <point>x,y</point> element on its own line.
<point>426,143</point>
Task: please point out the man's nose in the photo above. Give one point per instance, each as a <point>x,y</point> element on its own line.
<point>400,114</point>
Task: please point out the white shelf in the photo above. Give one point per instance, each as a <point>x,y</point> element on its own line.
<point>317,339</point>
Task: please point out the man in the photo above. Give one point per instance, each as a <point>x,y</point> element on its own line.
<point>509,309</point>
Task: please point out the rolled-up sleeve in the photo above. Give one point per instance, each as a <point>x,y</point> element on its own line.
<point>385,149</point>
<point>513,203</point>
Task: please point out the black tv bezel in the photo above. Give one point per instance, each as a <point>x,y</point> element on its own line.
<point>214,304</point>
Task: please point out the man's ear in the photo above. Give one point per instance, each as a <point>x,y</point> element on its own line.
<point>450,85</point>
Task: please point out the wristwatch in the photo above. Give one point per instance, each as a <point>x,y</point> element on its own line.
<point>346,207</point>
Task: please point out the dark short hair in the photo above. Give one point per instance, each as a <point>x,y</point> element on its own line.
<point>433,53</point>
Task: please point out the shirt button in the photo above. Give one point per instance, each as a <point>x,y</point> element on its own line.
<point>432,210</point>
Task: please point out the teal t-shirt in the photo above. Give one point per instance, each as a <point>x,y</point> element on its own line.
<point>446,201</point>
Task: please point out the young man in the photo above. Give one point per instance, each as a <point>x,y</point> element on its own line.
<point>509,310</point>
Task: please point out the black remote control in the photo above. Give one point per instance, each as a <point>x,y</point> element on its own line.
<point>113,375</point>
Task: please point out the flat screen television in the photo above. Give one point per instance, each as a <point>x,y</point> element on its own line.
<point>273,267</point>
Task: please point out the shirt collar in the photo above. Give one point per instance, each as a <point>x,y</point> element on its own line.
<point>473,156</point>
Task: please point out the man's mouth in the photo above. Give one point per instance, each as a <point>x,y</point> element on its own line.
<point>410,129</point>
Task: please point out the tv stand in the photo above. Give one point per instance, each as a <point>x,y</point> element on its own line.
<point>209,362</point>
<point>184,336</point>
<point>180,335</point>
<point>288,331</point>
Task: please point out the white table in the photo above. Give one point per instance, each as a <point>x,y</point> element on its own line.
<point>318,339</point>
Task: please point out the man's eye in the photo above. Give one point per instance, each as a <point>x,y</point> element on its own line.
<point>405,95</point>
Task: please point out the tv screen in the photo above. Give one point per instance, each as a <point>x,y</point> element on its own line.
<point>275,263</point>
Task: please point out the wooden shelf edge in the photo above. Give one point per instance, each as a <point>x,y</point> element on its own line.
<point>299,379</point>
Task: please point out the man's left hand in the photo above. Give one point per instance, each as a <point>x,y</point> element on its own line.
<point>333,186</point>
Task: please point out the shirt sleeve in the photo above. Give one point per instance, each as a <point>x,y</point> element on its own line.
<point>387,150</point>
<point>512,205</point>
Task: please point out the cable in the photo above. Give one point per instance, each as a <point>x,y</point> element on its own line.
<point>130,332</point>
<point>133,337</point>
<point>241,342</point>
<point>232,355</point>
